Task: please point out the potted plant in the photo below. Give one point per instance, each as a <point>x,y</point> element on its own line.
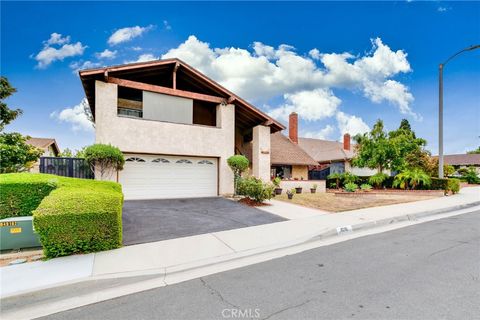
<point>313,189</point>
<point>276,183</point>
<point>290,193</point>
<point>298,189</point>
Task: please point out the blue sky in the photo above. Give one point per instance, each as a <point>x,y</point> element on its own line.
<point>340,65</point>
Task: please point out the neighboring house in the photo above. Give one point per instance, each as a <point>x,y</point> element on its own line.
<point>459,161</point>
<point>176,127</point>
<point>330,156</point>
<point>49,147</point>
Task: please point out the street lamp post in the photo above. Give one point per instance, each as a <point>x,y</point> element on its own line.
<point>440,107</point>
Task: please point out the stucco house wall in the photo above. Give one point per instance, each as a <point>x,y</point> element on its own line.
<point>299,172</point>
<point>132,135</point>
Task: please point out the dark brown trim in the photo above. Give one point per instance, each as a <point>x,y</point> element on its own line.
<point>164,90</point>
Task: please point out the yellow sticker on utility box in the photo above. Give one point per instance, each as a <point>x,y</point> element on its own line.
<point>15,230</point>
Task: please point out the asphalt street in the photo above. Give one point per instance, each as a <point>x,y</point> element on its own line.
<point>426,271</point>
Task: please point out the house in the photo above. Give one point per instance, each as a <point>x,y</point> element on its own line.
<point>460,161</point>
<point>330,156</point>
<point>176,127</point>
<point>49,147</point>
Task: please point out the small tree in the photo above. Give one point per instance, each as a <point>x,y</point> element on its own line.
<point>412,177</point>
<point>105,158</point>
<point>238,164</point>
<point>337,176</point>
<point>15,154</point>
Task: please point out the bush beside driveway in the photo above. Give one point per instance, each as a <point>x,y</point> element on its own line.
<point>73,215</point>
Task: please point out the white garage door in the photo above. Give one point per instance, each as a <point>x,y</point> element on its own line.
<point>165,177</point>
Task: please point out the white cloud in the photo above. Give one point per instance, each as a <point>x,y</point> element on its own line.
<point>167,25</point>
<point>136,48</point>
<point>143,58</point>
<point>442,9</point>
<point>82,65</point>
<point>324,133</point>
<point>57,38</point>
<point>75,116</point>
<point>127,34</point>
<point>310,105</point>
<point>351,124</point>
<point>267,72</point>
<point>106,54</point>
<point>63,50</point>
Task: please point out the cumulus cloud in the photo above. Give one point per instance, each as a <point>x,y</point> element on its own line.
<point>57,47</point>
<point>82,65</point>
<point>106,54</point>
<point>266,71</point>
<point>143,58</point>
<point>351,124</point>
<point>310,105</point>
<point>76,116</point>
<point>127,34</point>
<point>324,133</point>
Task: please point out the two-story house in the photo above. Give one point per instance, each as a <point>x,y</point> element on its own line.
<point>176,127</point>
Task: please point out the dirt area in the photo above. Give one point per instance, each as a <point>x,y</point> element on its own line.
<point>333,203</point>
<point>30,255</point>
<point>252,203</point>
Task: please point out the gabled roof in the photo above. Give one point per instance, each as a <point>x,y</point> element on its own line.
<point>325,150</point>
<point>44,143</point>
<point>159,73</point>
<point>284,151</point>
<point>461,159</point>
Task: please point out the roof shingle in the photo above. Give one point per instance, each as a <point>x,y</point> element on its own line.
<point>284,151</point>
<point>325,150</point>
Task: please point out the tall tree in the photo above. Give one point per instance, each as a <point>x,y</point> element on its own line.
<point>405,143</point>
<point>15,154</point>
<point>374,149</point>
<point>7,115</point>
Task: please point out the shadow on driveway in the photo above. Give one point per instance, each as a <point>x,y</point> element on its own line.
<point>155,220</point>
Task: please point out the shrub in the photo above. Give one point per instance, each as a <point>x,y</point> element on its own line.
<point>471,176</point>
<point>366,187</point>
<point>337,177</point>
<point>238,164</point>
<point>332,185</point>
<point>413,177</point>
<point>255,189</point>
<point>453,185</point>
<point>70,215</point>
<point>438,184</point>
<point>105,158</point>
<point>21,193</point>
<point>351,187</point>
<point>348,177</point>
<point>377,179</point>
<point>75,219</point>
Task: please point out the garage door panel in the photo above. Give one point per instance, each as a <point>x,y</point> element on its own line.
<point>162,177</point>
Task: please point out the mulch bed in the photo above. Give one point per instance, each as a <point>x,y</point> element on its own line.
<point>252,203</point>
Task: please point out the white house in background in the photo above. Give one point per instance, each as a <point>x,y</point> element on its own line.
<point>176,127</point>
<point>49,147</point>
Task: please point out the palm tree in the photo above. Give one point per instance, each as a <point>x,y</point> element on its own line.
<point>412,177</point>
<point>337,176</point>
<point>377,179</point>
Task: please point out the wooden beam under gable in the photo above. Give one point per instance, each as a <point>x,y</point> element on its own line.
<point>165,90</point>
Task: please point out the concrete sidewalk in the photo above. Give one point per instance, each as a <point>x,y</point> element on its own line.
<point>171,259</point>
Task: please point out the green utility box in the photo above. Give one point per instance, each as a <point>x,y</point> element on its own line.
<point>18,233</point>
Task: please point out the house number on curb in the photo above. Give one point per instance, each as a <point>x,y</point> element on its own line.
<point>344,229</point>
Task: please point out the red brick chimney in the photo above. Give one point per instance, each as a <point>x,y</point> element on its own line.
<point>293,127</point>
<point>346,141</point>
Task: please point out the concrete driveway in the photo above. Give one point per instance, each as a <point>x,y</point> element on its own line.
<point>155,220</point>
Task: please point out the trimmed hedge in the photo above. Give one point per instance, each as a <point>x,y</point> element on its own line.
<point>77,220</point>
<point>21,193</point>
<point>75,216</point>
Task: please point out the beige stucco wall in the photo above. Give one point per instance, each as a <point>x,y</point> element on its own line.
<point>261,152</point>
<point>305,184</point>
<point>299,172</point>
<point>155,137</point>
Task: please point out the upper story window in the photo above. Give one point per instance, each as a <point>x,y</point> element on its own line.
<point>130,102</point>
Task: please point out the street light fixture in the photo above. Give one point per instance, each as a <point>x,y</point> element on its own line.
<point>440,107</point>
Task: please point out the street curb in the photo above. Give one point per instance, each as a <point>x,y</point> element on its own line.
<point>192,270</point>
